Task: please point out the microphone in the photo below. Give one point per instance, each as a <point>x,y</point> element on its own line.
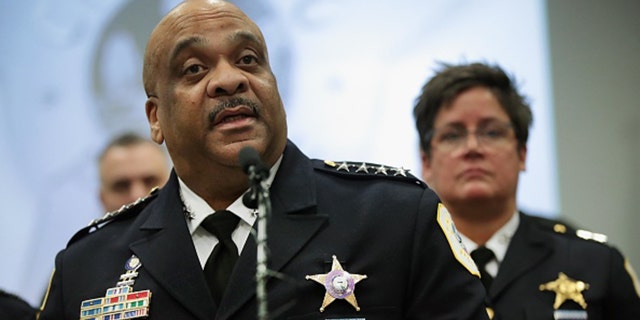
<point>250,198</point>
<point>252,165</point>
<point>258,198</point>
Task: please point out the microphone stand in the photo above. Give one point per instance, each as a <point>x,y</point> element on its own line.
<point>264,210</point>
<point>260,190</point>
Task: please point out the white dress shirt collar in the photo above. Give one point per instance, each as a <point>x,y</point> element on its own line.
<point>498,243</point>
<point>197,209</point>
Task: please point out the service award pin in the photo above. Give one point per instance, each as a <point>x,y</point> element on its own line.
<point>339,284</point>
<point>119,302</point>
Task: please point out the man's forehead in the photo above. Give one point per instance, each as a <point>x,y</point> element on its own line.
<point>187,21</point>
<point>194,11</point>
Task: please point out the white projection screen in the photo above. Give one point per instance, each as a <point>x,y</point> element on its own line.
<point>349,72</point>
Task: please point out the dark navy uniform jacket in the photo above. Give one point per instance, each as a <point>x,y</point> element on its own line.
<point>538,254</point>
<point>382,226</point>
<point>15,308</point>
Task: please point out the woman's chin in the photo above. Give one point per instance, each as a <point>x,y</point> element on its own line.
<point>477,193</point>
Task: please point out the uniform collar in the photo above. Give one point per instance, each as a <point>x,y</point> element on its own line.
<point>197,209</point>
<point>499,241</point>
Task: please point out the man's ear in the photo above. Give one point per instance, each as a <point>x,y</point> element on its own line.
<point>151,108</point>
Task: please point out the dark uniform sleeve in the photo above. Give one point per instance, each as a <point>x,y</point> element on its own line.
<point>444,286</point>
<point>14,308</point>
<point>623,300</point>
<point>52,307</point>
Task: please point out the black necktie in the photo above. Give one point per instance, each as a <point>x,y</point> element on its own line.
<point>481,256</point>
<point>220,263</point>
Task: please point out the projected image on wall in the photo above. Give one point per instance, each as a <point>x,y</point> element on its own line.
<point>348,71</point>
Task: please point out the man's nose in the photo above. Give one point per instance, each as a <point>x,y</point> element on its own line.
<point>226,79</point>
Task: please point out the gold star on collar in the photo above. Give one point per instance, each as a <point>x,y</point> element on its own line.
<point>566,289</point>
<point>339,284</point>
<point>400,172</point>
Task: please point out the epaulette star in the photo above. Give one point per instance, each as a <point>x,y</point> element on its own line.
<point>363,168</point>
<point>366,169</point>
<point>400,171</point>
<point>382,170</point>
<point>343,166</point>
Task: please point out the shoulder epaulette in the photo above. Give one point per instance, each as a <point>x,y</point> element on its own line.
<point>582,234</point>
<point>588,235</point>
<point>367,170</point>
<point>124,211</point>
<point>564,229</point>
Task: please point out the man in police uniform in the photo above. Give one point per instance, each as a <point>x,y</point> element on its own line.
<point>347,240</point>
<point>473,127</point>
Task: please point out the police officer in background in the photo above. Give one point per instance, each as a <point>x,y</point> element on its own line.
<point>473,127</point>
<point>347,240</point>
<point>130,166</point>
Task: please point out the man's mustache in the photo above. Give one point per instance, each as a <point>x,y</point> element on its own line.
<point>233,102</point>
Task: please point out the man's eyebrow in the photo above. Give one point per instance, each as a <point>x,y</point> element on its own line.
<point>245,36</point>
<point>184,44</point>
<point>249,38</point>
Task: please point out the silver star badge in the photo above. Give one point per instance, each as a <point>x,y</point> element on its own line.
<point>339,284</point>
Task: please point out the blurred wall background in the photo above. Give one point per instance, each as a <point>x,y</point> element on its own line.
<point>595,67</point>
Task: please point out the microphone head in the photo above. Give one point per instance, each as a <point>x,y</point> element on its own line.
<point>248,158</point>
